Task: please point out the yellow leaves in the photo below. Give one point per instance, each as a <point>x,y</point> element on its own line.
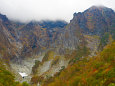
<point>110,38</point>
<point>49,55</point>
<point>56,60</point>
<point>107,70</point>
<point>88,71</point>
<point>108,54</point>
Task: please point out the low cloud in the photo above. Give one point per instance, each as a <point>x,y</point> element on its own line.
<point>26,10</point>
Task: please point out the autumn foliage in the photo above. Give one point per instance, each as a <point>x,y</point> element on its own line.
<point>94,71</point>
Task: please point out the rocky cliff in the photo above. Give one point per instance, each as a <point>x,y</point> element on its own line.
<point>50,46</point>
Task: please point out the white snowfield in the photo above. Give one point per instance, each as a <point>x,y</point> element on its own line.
<point>23,74</point>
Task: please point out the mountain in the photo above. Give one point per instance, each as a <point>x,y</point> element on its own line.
<point>98,70</point>
<point>7,38</point>
<point>52,24</point>
<point>80,39</point>
<point>95,20</point>
<point>43,49</point>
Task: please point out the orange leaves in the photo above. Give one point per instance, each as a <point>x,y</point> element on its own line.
<point>94,70</point>
<point>84,80</point>
<point>89,71</point>
<point>107,69</point>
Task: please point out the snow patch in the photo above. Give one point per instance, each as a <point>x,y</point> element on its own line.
<point>23,74</point>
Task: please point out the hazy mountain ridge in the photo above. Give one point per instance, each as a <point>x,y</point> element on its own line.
<point>55,45</point>
<point>95,20</point>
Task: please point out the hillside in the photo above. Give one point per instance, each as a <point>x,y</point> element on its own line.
<point>7,78</point>
<point>96,71</point>
<point>46,49</point>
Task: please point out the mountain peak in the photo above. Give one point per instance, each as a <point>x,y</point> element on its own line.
<point>3,17</point>
<point>95,8</point>
<point>94,19</point>
<point>100,8</point>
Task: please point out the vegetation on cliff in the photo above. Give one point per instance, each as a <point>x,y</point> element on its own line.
<point>95,71</point>
<point>7,78</point>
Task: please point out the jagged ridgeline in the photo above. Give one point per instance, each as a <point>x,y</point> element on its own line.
<point>55,51</point>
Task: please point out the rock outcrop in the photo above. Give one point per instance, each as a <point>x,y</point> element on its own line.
<point>88,31</point>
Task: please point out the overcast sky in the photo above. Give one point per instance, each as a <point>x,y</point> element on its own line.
<point>26,10</point>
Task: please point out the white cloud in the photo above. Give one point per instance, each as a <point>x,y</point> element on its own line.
<point>26,10</point>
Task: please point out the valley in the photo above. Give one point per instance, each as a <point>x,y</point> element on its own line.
<point>43,53</point>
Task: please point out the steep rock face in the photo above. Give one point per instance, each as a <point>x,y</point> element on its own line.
<point>95,20</point>
<point>21,45</point>
<point>33,38</point>
<point>26,42</point>
<point>88,71</point>
<point>52,24</point>
<point>7,39</point>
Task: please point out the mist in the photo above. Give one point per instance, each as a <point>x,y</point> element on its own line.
<point>27,10</point>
